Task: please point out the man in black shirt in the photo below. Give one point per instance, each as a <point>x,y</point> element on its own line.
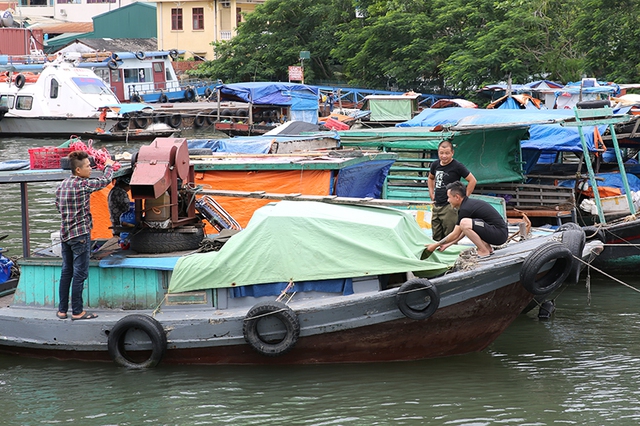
<point>444,171</point>
<point>477,220</point>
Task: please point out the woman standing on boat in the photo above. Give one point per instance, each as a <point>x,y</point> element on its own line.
<point>73,203</point>
<point>444,171</point>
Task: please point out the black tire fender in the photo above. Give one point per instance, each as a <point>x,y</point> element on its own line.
<point>210,117</point>
<point>142,121</point>
<point>594,232</point>
<point>189,94</point>
<point>112,64</point>
<point>123,124</point>
<point>163,99</point>
<point>574,240</point>
<point>593,104</point>
<point>554,277</point>
<point>136,98</point>
<point>20,81</point>
<point>140,55</point>
<point>200,151</point>
<point>147,240</point>
<point>227,113</point>
<point>173,53</point>
<point>280,312</point>
<point>199,120</point>
<point>208,92</point>
<point>418,299</point>
<point>151,327</point>
<point>175,121</point>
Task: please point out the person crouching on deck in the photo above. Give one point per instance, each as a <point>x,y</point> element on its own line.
<point>477,220</point>
<point>73,203</point>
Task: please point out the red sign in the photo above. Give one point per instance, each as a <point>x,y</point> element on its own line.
<point>296,74</point>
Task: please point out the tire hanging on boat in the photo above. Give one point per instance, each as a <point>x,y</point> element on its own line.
<point>173,53</point>
<point>142,121</point>
<point>140,55</point>
<point>189,94</point>
<point>208,92</point>
<point>148,240</point>
<point>20,81</point>
<point>210,117</point>
<point>199,120</point>
<point>260,341</point>
<point>135,98</point>
<point>418,299</point>
<point>175,121</point>
<point>163,99</point>
<point>575,240</point>
<point>552,278</point>
<point>112,64</point>
<point>117,341</point>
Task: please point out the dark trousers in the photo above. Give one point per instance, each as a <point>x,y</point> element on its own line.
<point>75,266</point>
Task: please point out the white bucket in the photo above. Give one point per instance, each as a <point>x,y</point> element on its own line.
<point>56,245</point>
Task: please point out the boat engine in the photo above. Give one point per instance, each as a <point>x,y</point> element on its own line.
<point>164,204</point>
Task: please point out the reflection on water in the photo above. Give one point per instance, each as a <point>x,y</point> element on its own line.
<point>579,368</point>
<point>582,367</point>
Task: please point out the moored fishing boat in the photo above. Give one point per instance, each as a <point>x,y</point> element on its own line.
<point>327,283</point>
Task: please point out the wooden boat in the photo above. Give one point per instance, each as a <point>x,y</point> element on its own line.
<point>327,283</point>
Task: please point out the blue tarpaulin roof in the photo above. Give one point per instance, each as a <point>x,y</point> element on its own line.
<point>299,97</point>
<point>547,137</point>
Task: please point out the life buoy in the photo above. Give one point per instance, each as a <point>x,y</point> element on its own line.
<point>151,327</point>
<point>175,121</point>
<point>208,92</point>
<point>140,55</point>
<point>555,276</point>
<point>199,120</point>
<point>174,54</point>
<point>418,299</point>
<point>112,64</point>
<point>20,81</point>
<point>163,99</point>
<point>189,94</point>
<point>265,344</point>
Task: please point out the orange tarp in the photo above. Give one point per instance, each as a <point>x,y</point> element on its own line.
<point>308,182</point>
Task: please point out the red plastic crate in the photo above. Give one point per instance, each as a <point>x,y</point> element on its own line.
<point>47,157</point>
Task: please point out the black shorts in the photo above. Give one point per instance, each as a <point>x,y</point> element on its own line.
<point>490,233</point>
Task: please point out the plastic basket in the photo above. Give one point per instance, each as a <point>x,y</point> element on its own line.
<point>47,157</point>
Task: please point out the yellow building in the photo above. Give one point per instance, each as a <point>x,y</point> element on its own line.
<point>191,25</point>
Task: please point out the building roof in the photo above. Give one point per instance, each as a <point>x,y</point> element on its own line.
<point>119,45</point>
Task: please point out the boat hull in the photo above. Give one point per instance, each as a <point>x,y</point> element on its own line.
<point>621,254</point>
<point>51,126</point>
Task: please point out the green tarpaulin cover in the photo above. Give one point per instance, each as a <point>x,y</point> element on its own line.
<point>306,241</point>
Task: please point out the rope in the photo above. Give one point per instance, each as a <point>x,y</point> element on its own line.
<point>265,315</point>
<point>607,275</point>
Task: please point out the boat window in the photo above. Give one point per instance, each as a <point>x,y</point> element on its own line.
<point>115,76</point>
<point>157,67</point>
<point>53,92</point>
<point>103,74</point>
<point>137,75</point>
<point>7,100</point>
<point>167,75</point>
<point>24,102</point>
<point>90,85</point>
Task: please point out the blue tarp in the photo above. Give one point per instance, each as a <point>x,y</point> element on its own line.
<point>611,180</point>
<point>363,180</point>
<point>246,144</point>
<point>547,137</point>
<point>299,96</point>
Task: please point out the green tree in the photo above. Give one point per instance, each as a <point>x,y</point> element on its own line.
<point>272,37</point>
<point>608,31</point>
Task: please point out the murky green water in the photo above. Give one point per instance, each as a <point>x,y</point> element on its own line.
<point>582,367</point>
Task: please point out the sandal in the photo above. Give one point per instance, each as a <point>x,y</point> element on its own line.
<point>85,315</point>
<point>62,315</point>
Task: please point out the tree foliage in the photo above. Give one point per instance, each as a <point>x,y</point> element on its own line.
<point>442,46</point>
